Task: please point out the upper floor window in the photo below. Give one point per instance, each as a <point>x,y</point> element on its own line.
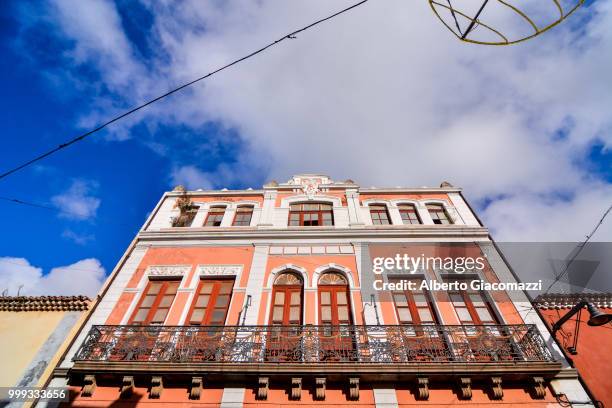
<point>409,214</point>
<point>155,302</point>
<point>379,214</point>
<point>211,302</point>
<point>438,214</point>
<point>243,216</point>
<point>334,306</point>
<point>311,214</point>
<point>215,216</point>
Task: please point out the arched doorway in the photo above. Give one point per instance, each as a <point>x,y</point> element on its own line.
<point>336,335</point>
<point>286,311</point>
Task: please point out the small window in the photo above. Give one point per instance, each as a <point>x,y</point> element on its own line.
<point>215,216</point>
<point>243,216</point>
<point>311,215</point>
<point>409,214</point>
<point>379,214</point>
<point>438,214</point>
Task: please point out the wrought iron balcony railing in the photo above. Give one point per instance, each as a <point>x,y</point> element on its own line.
<point>244,345</point>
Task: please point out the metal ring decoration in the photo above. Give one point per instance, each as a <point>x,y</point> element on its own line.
<point>457,14</point>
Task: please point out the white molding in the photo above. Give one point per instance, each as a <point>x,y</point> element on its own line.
<point>156,271</point>
<point>333,267</point>
<point>219,270</point>
<point>292,268</point>
<point>335,201</point>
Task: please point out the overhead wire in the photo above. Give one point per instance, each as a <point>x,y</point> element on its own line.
<point>291,35</point>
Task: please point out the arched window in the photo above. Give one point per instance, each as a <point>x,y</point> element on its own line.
<point>409,214</point>
<point>311,215</point>
<point>215,216</point>
<point>286,307</point>
<point>438,214</point>
<point>379,214</point>
<point>244,213</point>
<point>334,296</point>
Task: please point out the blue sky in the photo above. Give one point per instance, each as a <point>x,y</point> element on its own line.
<point>524,129</point>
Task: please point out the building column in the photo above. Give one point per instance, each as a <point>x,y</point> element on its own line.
<point>256,283</point>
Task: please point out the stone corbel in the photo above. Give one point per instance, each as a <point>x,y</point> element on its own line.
<point>196,388</point>
<point>423,387</point>
<point>127,386</point>
<point>89,385</point>
<point>465,386</point>
<point>264,386</point>
<point>320,388</point>
<point>539,389</point>
<point>296,388</point>
<point>157,386</point>
<point>496,387</point>
<point>354,388</point>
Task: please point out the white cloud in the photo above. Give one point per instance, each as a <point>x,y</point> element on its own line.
<point>383,95</point>
<point>84,277</point>
<point>191,177</point>
<point>77,202</point>
<point>79,239</point>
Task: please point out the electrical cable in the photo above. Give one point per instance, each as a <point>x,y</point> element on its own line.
<point>70,142</point>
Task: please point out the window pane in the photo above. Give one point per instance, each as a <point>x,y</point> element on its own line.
<point>457,299</point>
<point>476,299</point>
<point>343,313</point>
<point>483,314</point>
<point>425,315</point>
<point>207,287</point>
<point>277,315</point>
<point>198,315</point>
<point>154,288</point>
<point>141,315</point>
<point>222,301</point>
<point>326,313</point>
<point>160,316</point>
<point>404,314</point>
<point>218,316</point>
<point>341,299</point>
<point>420,299</point>
<point>202,301</point>
<point>226,287</point>
<point>325,298</point>
<point>148,301</point>
<point>171,288</point>
<point>295,298</point>
<point>166,301</point>
<point>280,298</point>
<point>294,313</point>
<point>400,299</point>
<point>464,314</point>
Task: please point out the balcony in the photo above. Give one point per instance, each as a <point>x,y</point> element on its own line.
<point>365,350</point>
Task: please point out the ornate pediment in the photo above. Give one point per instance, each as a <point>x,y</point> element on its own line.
<point>219,270</point>
<point>310,183</point>
<point>168,270</point>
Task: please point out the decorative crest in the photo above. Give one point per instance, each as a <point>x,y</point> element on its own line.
<point>310,183</point>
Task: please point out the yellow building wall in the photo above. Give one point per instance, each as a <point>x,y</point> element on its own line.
<point>21,336</point>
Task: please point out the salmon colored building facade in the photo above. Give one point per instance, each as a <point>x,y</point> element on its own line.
<point>265,298</point>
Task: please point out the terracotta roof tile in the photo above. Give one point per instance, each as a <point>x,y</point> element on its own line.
<point>43,303</point>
